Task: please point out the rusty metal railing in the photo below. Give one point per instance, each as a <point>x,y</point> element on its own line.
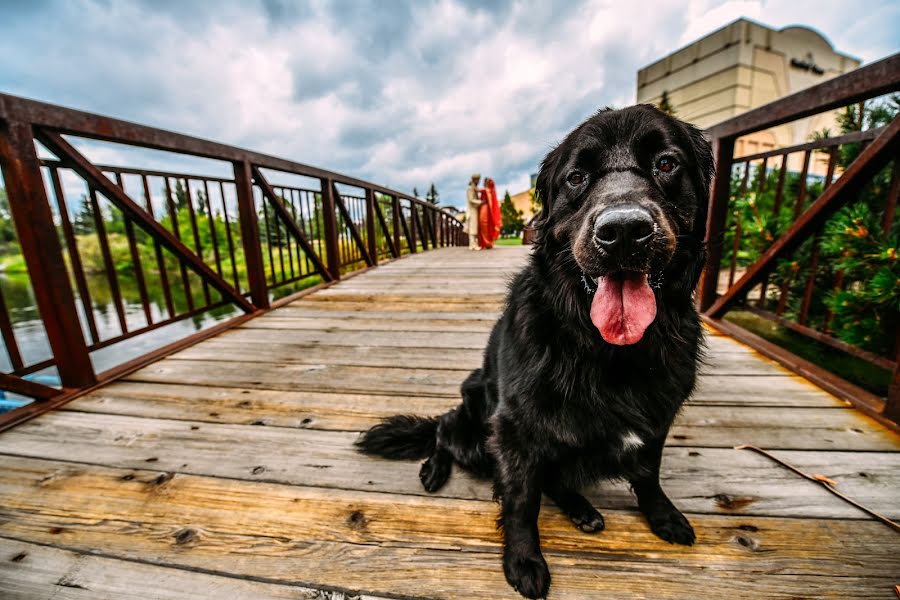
<point>791,214</point>
<point>201,243</point>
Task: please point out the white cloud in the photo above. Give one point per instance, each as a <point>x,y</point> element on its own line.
<point>401,94</point>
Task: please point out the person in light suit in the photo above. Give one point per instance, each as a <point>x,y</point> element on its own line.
<point>473,204</point>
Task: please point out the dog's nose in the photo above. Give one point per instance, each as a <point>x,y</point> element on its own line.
<point>623,228</point>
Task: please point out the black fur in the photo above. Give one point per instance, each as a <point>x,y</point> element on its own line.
<point>554,405</point>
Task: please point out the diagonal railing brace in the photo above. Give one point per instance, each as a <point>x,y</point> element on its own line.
<point>269,192</point>
<point>75,160</point>
<point>871,160</point>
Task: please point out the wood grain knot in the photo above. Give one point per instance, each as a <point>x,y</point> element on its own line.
<point>258,470</point>
<point>357,520</point>
<point>19,557</point>
<point>163,478</point>
<point>747,542</point>
<point>732,503</point>
<point>748,528</point>
<point>186,536</point>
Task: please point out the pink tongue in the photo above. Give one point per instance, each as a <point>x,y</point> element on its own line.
<point>623,308</point>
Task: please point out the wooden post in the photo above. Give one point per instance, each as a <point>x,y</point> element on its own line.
<point>329,220</point>
<point>256,274</point>
<point>43,255</point>
<point>395,223</point>
<point>723,152</point>
<point>892,404</point>
<point>370,226</point>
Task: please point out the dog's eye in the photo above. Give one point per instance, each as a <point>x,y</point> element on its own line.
<point>666,164</point>
<point>575,178</point>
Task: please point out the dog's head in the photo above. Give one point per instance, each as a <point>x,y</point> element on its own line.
<point>626,193</point>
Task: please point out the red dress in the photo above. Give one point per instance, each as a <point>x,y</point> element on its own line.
<point>488,216</point>
<point>485,222</point>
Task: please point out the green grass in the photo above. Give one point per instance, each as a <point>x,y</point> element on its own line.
<point>854,370</point>
<point>508,241</point>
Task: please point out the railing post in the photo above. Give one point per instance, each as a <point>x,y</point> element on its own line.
<point>329,221</point>
<point>395,222</point>
<point>370,226</point>
<point>413,219</point>
<point>43,255</point>
<point>256,273</point>
<point>723,152</point>
<point>892,403</point>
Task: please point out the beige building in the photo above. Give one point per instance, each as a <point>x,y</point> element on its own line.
<point>522,201</point>
<point>742,66</point>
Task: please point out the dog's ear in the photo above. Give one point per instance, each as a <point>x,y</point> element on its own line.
<point>543,188</point>
<point>705,170</point>
<point>702,176</point>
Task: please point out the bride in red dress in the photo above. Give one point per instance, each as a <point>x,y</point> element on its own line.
<point>488,216</point>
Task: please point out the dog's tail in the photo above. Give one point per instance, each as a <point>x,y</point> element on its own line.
<point>401,437</point>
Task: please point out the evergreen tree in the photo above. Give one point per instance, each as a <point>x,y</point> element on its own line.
<point>181,197</point>
<point>511,217</point>
<point>83,220</point>
<point>415,192</point>
<point>856,296</point>
<point>432,195</point>
<point>664,104</point>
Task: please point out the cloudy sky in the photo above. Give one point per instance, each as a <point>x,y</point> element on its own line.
<point>401,93</point>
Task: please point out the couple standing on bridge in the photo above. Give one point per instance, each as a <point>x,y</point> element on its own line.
<point>482,214</point>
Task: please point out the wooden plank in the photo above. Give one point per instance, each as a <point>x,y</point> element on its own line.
<point>413,339</point>
<point>363,313</point>
<point>413,381</point>
<point>433,295</point>
<point>257,348</point>
<point>381,543</point>
<point>697,425</point>
<point>29,571</point>
<point>338,411</point>
<point>700,480</point>
<point>287,323</point>
<point>408,307</point>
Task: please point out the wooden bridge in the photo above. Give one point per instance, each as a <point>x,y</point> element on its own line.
<point>217,461</point>
<point>227,469</point>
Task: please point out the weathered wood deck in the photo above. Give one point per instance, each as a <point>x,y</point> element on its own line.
<point>227,470</point>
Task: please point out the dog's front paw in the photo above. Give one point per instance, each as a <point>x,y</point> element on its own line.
<point>673,527</point>
<point>527,573</point>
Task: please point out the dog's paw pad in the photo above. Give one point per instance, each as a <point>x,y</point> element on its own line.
<point>527,574</point>
<point>673,528</point>
<point>434,473</point>
<point>589,522</point>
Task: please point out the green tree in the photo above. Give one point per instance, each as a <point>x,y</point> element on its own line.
<point>665,105</point>
<point>432,195</point>
<point>181,197</point>
<point>513,223</point>
<point>856,292</point>
<point>415,192</point>
<point>7,228</point>
<point>83,220</point>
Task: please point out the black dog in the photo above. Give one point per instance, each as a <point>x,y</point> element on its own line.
<point>598,346</point>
